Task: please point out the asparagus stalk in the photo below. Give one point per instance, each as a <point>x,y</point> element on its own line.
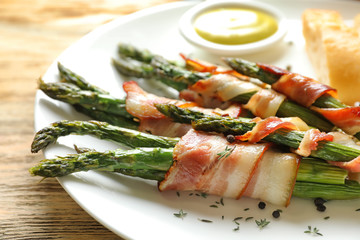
<point>108,117</point>
<point>102,130</point>
<point>153,163</point>
<point>70,77</point>
<point>71,94</point>
<point>326,150</point>
<point>135,160</point>
<point>131,68</point>
<point>326,191</point>
<point>180,78</point>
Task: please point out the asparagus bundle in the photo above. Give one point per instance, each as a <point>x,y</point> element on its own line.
<point>133,63</point>
<point>314,178</point>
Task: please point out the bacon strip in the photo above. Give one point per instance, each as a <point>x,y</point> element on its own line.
<point>140,104</point>
<point>274,178</point>
<point>223,86</point>
<point>352,166</point>
<point>310,141</point>
<point>163,127</point>
<point>300,89</point>
<point>208,163</point>
<point>264,128</point>
<point>265,103</point>
<point>348,119</point>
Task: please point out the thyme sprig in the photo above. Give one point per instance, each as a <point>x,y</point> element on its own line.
<point>181,214</point>
<point>262,223</point>
<point>314,231</point>
<point>224,154</point>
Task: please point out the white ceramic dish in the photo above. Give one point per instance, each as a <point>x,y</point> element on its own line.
<point>134,208</point>
<point>186,26</point>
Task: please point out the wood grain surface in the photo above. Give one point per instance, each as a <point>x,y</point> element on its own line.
<point>32,34</point>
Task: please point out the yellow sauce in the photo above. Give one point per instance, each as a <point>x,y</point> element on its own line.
<point>233,26</point>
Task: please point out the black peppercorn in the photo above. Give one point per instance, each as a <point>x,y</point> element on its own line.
<point>276,214</point>
<point>230,138</point>
<point>319,201</point>
<point>321,208</point>
<point>262,205</point>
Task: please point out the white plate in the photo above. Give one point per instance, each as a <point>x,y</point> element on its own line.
<point>133,208</point>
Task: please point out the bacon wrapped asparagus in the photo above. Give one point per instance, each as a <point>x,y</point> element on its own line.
<point>209,86</point>
<point>305,91</point>
<point>209,163</point>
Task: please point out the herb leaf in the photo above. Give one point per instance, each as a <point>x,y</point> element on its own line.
<point>205,220</point>
<point>224,154</point>
<point>262,223</point>
<point>314,231</point>
<point>181,214</point>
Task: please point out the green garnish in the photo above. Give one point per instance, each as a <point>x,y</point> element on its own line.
<point>181,214</point>
<point>236,229</point>
<point>224,154</point>
<point>262,223</point>
<point>205,220</point>
<point>246,209</point>
<point>214,206</point>
<point>237,218</point>
<point>326,218</point>
<point>248,218</point>
<point>314,231</point>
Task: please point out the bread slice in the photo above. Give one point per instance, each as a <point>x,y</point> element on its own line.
<point>357,23</point>
<point>334,51</point>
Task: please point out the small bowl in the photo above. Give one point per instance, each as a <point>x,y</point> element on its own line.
<point>188,31</point>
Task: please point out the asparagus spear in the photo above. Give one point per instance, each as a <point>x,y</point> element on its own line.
<point>326,150</point>
<point>108,117</point>
<point>144,159</point>
<point>70,77</point>
<point>153,163</point>
<point>71,94</point>
<point>180,78</point>
<point>102,130</point>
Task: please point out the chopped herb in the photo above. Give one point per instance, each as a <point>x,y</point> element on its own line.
<point>205,220</point>
<point>190,194</point>
<point>178,194</point>
<point>288,68</point>
<point>181,214</point>
<point>314,231</point>
<point>224,154</point>
<point>262,223</point>
<point>246,209</point>
<point>248,218</point>
<point>327,217</point>
<point>222,201</point>
<point>237,218</point>
<point>204,195</point>
<point>358,210</point>
<point>237,228</point>
<point>214,206</point>
<point>222,217</point>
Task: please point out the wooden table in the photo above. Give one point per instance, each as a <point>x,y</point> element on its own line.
<point>32,34</point>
